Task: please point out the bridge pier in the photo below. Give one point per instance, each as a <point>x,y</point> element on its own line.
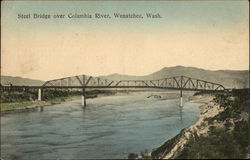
<point>83,97</point>
<point>39,94</point>
<point>181,102</point>
<point>181,99</point>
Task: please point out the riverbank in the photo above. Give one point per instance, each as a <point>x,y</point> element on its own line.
<point>14,103</point>
<point>27,106</point>
<point>172,148</point>
<point>25,101</point>
<point>220,132</point>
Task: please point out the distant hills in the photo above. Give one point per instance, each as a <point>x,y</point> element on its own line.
<point>20,81</point>
<point>228,78</point>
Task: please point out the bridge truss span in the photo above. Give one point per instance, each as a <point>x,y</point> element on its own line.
<point>177,82</point>
<point>83,82</point>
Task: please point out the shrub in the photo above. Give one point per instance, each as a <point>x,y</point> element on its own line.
<point>132,156</point>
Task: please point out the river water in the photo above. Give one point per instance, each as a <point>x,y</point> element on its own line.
<point>109,127</point>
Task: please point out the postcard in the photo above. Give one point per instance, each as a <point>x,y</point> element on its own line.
<point>112,79</point>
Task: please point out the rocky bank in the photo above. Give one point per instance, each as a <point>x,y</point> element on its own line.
<point>173,147</point>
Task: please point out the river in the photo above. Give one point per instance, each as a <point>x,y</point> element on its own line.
<point>109,127</point>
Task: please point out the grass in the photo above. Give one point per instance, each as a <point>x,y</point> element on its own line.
<point>20,100</point>
<point>24,104</point>
<point>15,105</point>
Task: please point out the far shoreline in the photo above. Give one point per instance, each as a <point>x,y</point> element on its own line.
<point>35,105</point>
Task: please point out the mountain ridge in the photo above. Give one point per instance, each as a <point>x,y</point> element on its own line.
<point>228,78</point>
<point>16,80</point>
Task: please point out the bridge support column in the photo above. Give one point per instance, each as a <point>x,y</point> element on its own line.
<point>181,99</point>
<point>39,94</point>
<point>83,97</point>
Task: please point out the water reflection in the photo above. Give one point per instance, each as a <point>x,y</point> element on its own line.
<point>83,109</point>
<point>41,109</point>
<point>181,113</point>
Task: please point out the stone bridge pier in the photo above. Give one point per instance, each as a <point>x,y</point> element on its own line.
<point>39,94</point>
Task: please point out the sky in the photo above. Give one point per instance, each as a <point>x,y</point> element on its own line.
<point>211,35</point>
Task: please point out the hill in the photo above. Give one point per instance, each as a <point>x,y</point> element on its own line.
<point>20,81</point>
<point>228,78</point>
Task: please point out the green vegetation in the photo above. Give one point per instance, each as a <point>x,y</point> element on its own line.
<point>230,141</point>
<point>233,104</point>
<point>47,95</point>
<point>15,105</point>
<point>221,143</point>
<point>132,156</point>
<point>9,97</point>
<point>18,100</point>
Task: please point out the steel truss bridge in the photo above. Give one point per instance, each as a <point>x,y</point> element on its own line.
<point>87,82</point>
<point>177,83</point>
